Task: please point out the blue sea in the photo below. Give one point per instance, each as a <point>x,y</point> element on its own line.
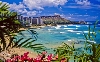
<point>53,36</point>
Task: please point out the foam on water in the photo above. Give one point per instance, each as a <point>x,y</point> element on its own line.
<point>78,33</point>
<point>86,31</point>
<point>65,25</point>
<point>57,27</point>
<point>74,31</point>
<point>70,28</point>
<point>62,32</point>
<point>91,41</point>
<point>57,34</point>
<point>71,25</point>
<point>50,30</point>
<point>38,28</point>
<point>78,26</point>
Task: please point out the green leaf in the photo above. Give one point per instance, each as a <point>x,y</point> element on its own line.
<point>36,44</point>
<point>24,42</point>
<point>89,32</point>
<point>16,43</point>
<point>28,43</point>
<point>11,42</point>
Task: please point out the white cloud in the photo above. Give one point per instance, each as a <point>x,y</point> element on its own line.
<point>56,14</point>
<point>39,4</point>
<point>20,8</point>
<point>24,11</point>
<point>28,7</point>
<point>14,6</point>
<point>4,2</point>
<point>32,4</point>
<point>83,2</point>
<point>69,17</point>
<point>80,6</point>
<point>86,15</point>
<point>31,13</point>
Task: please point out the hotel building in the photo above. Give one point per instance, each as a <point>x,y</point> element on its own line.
<point>28,21</point>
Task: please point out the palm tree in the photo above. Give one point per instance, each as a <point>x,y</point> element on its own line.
<point>10,25</point>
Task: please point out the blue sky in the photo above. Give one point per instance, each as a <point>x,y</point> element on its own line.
<point>74,10</point>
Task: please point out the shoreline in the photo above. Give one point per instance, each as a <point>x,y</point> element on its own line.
<point>41,26</point>
<point>20,51</point>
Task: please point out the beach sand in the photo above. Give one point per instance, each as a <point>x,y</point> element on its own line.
<point>20,51</point>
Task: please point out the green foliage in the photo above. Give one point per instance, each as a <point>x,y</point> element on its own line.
<point>3,7</point>
<point>7,25</point>
<point>94,57</point>
<point>16,22</point>
<point>65,51</point>
<point>90,52</point>
<point>29,42</point>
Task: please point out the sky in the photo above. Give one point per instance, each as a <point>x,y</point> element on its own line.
<point>74,10</point>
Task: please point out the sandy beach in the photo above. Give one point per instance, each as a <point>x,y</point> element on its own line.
<point>20,51</point>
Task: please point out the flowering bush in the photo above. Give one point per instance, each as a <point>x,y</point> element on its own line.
<point>43,57</point>
<point>40,58</point>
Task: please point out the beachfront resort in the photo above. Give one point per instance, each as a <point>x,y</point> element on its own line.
<point>42,20</point>
<point>46,20</point>
<point>46,38</point>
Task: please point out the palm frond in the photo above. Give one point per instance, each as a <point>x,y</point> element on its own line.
<point>28,43</point>
<point>89,32</point>
<point>19,45</point>
<point>17,42</point>
<point>10,42</point>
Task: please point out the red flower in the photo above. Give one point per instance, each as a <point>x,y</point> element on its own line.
<point>63,60</point>
<point>8,60</point>
<point>49,57</point>
<point>44,52</point>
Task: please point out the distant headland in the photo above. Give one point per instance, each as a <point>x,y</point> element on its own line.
<point>46,20</point>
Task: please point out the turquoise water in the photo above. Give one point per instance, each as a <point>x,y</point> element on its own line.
<point>63,33</point>
<point>53,36</point>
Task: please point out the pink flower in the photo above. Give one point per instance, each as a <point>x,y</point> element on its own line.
<point>25,54</point>
<point>25,57</point>
<point>37,60</point>
<point>30,59</point>
<point>8,60</point>
<point>63,60</point>
<point>44,52</point>
<point>49,57</point>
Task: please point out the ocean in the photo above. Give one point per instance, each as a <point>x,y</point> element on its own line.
<point>54,36</point>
